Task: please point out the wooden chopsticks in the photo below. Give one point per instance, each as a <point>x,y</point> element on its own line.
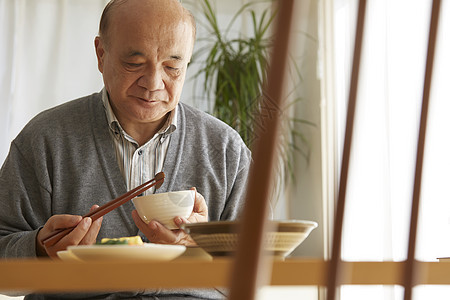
<point>106,208</point>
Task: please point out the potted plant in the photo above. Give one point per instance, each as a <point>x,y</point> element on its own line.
<point>234,74</point>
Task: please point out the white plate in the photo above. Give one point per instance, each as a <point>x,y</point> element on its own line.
<point>67,255</point>
<point>148,251</point>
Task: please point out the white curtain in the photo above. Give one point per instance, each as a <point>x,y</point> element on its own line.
<point>382,166</point>
<point>47,57</point>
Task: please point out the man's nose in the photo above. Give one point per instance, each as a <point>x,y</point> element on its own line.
<point>151,80</point>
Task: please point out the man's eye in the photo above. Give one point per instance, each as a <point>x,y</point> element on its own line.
<point>133,65</point>
<point>173,71</point>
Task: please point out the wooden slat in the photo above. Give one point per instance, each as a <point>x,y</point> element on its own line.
<point>410,270</point>
<point>335,267</point>
<point>293,271</point>
<point>250,269</point>
<point>50,276</point>
<point>46,275</point>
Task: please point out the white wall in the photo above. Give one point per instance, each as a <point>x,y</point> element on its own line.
<point>304,196</point>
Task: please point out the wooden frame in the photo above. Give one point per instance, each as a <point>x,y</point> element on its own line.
<point>45,275</point>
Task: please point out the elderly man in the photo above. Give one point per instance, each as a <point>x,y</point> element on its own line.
<point>83,153</point>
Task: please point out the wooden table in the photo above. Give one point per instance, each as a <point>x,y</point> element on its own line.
<point>44,275</point>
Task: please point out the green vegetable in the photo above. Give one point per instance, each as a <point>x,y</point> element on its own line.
<point>113,242</point>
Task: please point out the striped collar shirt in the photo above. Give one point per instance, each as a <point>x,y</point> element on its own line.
<point>139,164</point>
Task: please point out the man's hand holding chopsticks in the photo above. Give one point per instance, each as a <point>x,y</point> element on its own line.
<point>84,233</point>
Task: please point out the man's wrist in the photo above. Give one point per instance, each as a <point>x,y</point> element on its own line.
<point>40,249</point>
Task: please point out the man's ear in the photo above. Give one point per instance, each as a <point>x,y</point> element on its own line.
<point>100,52</point>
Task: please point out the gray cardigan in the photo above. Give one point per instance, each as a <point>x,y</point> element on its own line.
<point>63,162</point>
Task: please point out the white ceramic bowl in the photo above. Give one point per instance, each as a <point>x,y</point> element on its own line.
<point>164,207</point>
<point>220,238</point>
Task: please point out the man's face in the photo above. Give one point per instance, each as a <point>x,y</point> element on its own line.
<point>144,65</point>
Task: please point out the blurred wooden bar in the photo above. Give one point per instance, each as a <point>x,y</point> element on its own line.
<point>410,272</point>
<point>251,270</point>
<point>336,270</point>
<point>58,276</point>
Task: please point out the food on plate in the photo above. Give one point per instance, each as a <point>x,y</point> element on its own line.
<point>129,240</point>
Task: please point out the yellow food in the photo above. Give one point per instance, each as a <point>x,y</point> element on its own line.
<point>130,240</point>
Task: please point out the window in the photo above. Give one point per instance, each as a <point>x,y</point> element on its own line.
<point>382,166</point>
